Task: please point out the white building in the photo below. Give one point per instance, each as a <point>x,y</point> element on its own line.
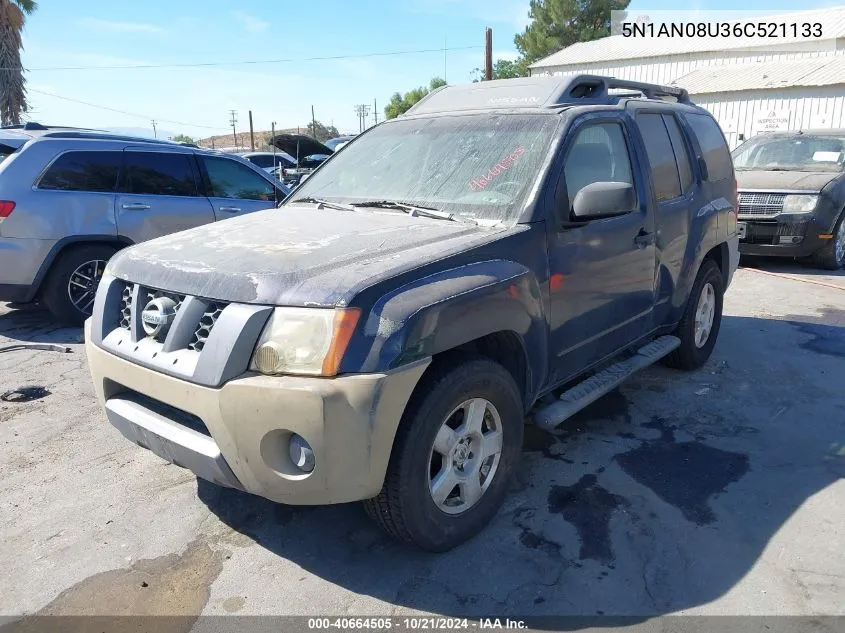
<point>750,85</point>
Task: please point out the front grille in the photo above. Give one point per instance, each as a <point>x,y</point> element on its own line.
<point>212,312</point>
<point>207,322</point>
<point>760,204</point>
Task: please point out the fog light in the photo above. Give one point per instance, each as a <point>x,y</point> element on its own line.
<point>790,239</point>
<point>301,453</point>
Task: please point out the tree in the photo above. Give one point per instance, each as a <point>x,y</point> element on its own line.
<point>400,104</point>
<point>505,69</point>
<point>12,81</point>
<point>556,24</point>
<point>183,138</point>
<point>322,133</point>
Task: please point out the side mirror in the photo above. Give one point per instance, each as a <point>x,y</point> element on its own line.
<point>603,199</point>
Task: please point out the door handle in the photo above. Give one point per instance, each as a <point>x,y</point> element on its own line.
<point>644,238</point>
<point>135,206</point>
<point>230,209</point>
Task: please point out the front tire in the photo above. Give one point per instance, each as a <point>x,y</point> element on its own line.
<point>699,326</point>
<point>70,287</point>
<point>832,255</point>
<point>456,448</point>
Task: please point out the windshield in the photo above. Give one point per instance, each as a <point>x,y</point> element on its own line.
<point>792,153</point>
<point>477,166</point>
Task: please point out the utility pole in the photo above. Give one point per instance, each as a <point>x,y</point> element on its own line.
<point>233,120</point>
<point>362,110</point>
<point>445,48</point>
<point>313,123</point>
<point>155,134</point>
<point>375,111</point>
<point>251,135</point>
<point>272,137</point>
<point>488,54</point>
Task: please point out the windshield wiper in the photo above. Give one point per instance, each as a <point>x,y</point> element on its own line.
<point>326,203</point>
<point>410,209</point>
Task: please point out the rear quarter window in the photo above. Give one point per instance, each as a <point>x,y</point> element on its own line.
<point>714,150</point>
<point>83,171</point>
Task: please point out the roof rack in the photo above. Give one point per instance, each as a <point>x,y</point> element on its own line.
<point>96,135</point>
<point>540,92</point>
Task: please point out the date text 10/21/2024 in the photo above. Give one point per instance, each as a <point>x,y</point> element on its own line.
<point>413,624</point>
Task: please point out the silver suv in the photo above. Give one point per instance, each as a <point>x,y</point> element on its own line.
<point>69,199</point>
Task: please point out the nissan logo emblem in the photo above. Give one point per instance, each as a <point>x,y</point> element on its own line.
<point>157,316</point>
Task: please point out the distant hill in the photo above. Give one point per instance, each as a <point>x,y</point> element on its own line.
<point>241,140</point>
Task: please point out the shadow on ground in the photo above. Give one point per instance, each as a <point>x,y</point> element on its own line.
<point>657,498</point>
<point>33,324</point>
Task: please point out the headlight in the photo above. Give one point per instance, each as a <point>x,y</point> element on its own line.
<point>304,341</point>
<point>800,204</point>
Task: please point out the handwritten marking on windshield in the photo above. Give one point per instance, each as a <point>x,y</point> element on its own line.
<point>502,166</point>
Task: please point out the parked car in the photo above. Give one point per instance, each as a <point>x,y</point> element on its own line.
<point>337,143</point>
<point>268,161</point>
<point>307,153</point>
<point>792,195</point>
<point>384,338</point>
<point>69,199</point>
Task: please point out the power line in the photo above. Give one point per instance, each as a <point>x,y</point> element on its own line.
<point>246,62</point>
<point>135,114</point>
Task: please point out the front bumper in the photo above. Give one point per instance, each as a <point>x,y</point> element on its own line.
<point>775,237</point>
<point>237,435</point>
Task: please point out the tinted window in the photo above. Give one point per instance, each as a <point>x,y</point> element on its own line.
<point>160,173</point>
<point>713,147</point>
<point>83,171</point>
<point>599,153</point>
<point>261,161</point>
<point>664,171</point>
<point>681,153</point>
<point>230,179</point>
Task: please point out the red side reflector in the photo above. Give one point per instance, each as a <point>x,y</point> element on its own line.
<point>6,208</point>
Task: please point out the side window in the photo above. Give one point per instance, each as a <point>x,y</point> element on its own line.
<point>83,171</point>
<point>261,161</point>
<point>159,173</point>
<point>664,171</point>
<point>599,153</point>
<point>713,147</point>
<point>230,179</point>
<point>681,153</point>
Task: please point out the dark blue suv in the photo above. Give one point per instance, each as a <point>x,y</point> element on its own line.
<point>507,249</point>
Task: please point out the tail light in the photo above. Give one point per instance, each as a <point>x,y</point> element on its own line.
<point>6,208</point>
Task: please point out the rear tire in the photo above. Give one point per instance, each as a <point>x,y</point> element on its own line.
<point>699,326</point>
<point>460,390</point>
<point>832,255</point>
<point>69,289</point>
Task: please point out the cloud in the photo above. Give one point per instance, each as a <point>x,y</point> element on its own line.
<point>250,22</point>
<point>112,26</point>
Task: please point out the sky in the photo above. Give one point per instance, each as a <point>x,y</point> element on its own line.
<point>375,46</point>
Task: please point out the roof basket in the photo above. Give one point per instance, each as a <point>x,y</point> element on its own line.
<point>596,88</point>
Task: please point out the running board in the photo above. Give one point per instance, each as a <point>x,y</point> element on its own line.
<point>585,393</point>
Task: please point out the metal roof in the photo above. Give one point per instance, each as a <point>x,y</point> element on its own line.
<point>617,47</point>
<point>815,71</point>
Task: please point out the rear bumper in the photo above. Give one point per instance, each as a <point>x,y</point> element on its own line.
<point>238,435</point>
<point>21,260</point>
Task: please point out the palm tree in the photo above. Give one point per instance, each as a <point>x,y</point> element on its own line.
<point>12,83</point>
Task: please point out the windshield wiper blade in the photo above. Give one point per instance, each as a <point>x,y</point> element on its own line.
<point>326,203</point>
<point>410,209</point>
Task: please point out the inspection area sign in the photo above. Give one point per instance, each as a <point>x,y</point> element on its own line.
<point>771,121</point>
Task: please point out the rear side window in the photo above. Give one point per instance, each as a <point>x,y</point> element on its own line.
<point>261,161</point>
<point>664,171</point>
<point>160,174</point>
<point>714,150</point>
<point>230,179</point>
<point>681,153</point>
<point>83,171</point>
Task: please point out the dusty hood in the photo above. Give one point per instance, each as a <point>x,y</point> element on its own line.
<point>300,145</point>
<point>774,180</point>
<point>293,256</point>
